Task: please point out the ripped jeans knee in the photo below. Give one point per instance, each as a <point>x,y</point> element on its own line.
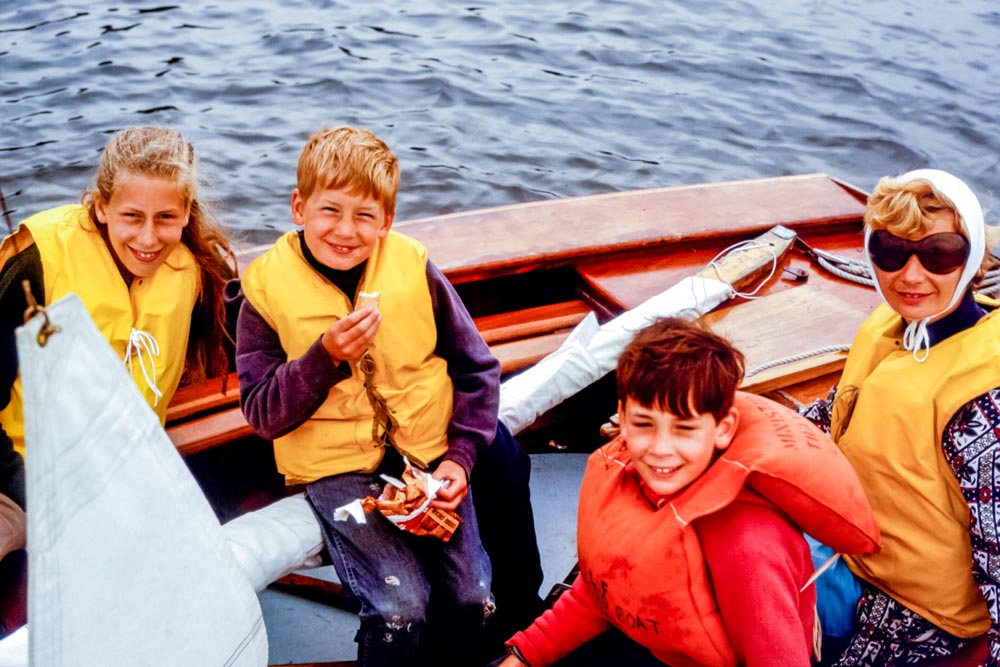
<point>391,639</point>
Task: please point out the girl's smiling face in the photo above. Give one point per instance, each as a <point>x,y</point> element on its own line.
<point>145,217</point>
<point>671,452</point>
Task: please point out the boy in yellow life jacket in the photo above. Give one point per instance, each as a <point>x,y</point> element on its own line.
<point>690,523</point>
<point>347,390</point>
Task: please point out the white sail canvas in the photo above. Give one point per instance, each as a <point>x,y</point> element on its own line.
<point>128,564</point>
<point>592,351</point>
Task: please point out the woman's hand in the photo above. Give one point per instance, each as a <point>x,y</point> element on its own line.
<point>511,661</point>
<point>448,497</point>
<point>349,337</point>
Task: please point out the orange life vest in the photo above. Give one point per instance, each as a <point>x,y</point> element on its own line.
<point>776,453</point>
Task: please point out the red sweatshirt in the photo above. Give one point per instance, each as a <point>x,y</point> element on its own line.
<point>757,563</point>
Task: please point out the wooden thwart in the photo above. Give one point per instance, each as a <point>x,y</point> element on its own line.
<point>194,399</point>
<point>520,354</point>
<point>807,317</point>
<point>519,324</point>
<point>218,428</point>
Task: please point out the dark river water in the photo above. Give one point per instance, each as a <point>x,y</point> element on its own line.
<point>497,102</point>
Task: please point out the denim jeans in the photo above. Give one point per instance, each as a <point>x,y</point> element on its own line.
<point>507,527</point>
<point>406,584</point>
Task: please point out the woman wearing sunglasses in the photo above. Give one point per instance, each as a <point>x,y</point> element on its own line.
<point>917,412</point>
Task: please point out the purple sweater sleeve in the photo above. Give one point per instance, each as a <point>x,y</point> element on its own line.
<point>474,373</point>
<point>277,395</point>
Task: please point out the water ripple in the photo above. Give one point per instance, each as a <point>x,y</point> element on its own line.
<point>495,103</point>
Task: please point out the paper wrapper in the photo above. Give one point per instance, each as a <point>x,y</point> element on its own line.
<point>406,504</point>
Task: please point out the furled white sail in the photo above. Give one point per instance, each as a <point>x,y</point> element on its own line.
<point>275,540</point>
<point>128,564</point>
<point>592,351</point>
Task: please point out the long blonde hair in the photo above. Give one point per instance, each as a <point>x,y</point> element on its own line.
<point>156,151</point>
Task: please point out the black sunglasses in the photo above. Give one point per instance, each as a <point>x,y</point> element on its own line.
<point>938,253</point>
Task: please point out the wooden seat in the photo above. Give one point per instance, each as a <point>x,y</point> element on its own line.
<point>194,399</point>
<point>203,416</point>
<point>211,430</point>
<point>520,338</point>
<point>505,327</point>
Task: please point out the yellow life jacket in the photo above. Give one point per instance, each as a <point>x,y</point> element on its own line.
<point>888,418</point>
<point>75,258</point>
<point>624,541</point>
<point>299,304</point>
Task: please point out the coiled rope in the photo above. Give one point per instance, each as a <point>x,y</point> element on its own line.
<point>990,285</point>
<point>854,270</point>
<point>797,357</point>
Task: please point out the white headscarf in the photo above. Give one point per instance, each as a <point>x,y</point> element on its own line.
<point>970,218</point>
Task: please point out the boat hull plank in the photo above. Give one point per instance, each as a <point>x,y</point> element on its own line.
<point>523,237</point>
<point>628,282</point>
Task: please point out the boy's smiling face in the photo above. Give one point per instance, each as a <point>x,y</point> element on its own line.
<point>670,452</point>
<point>341,227</point>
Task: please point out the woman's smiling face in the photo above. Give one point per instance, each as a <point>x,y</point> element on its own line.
<point>913,291</point>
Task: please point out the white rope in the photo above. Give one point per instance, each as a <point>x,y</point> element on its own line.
<point>916,338</point>
<point>993,291</point>
<point>144,343</point>
<point>827,564</point>
<point>797,357</point>
<point>744,245</point>
<point>854,270</point>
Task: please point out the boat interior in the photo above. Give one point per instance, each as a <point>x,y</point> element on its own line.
<point>528,274</point>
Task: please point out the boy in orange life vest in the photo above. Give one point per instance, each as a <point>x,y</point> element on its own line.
<point>346,390</point>
<point>690,523</point>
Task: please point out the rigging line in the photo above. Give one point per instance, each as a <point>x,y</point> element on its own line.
<point>47,328</point>
<point>6,211</point>
<point>992,291</point>
<point>849,269</point>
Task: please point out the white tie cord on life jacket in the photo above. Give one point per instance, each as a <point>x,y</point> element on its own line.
<point>143,342</point>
